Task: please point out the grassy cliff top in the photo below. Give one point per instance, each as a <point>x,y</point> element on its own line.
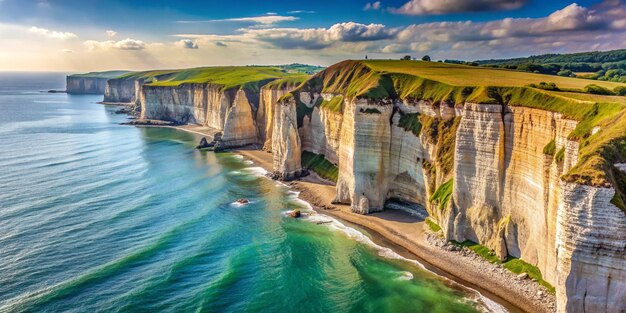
<point>456,84</point>
<point>107,74</point>
<point>227,76</point>
<point>464,75</point>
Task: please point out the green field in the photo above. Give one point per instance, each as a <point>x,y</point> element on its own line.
<point>228,76</point>
<point>463,75</point>
<point>107,74</point>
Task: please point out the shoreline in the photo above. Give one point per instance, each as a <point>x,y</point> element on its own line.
<point>402,230</point>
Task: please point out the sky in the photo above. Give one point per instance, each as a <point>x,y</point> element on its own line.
<point>83,35</point>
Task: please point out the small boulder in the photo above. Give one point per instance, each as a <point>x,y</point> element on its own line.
<point>295,213</point>
<point>243,201</point>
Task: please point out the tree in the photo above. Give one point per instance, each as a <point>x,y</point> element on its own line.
<point>406,58</point>
<point>426,58</point>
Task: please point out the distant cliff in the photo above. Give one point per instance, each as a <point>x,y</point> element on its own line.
<point>90,83</point>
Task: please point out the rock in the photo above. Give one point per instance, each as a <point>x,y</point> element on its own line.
<point>204,143</point>
<point>243,201</point>
<point>295,213</point>
<point>522,276</point>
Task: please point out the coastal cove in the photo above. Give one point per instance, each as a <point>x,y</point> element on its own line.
<point>102,216</point>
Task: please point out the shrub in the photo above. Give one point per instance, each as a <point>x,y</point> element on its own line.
<point>597,90</point>
<point>426,58</point>
<point>550,148</point>
<point>545,86</point>
<point>565,73</point>
<point>620,90</point>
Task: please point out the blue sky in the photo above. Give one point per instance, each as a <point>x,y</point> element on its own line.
<point>84,35</point>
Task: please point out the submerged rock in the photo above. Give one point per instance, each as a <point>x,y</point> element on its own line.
<point>295,213</point>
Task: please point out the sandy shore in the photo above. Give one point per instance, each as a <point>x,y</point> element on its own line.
<point>408,232</point>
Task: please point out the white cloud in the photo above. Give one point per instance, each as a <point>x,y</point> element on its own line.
<point>187,44</point>
<point>430,7</point>
<point>264,20</point>
<point>301,12</point>
<point>110,33</point>
<point>52,34</point>
<point>372,6</point>
<point>126,44</point>
<point>271,13</point>
<point>67,51</point>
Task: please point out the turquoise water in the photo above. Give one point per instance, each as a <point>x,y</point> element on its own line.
<point>99,217</point>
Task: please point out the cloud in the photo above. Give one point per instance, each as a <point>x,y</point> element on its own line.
<point>319,38</point>
<point>301,12</point>
<point>432,7</point>
<point>126,44</point>
<point>110,33</point>
<point>271,13</point>
<point>221,44</point>
<point>67,51</point>
<point>52,34</point>
<point>372,6</point>
<point>264,20</point>
<point>187,44</point>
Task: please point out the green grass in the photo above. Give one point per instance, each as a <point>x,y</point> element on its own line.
<point>550,148</point>
<point>515,265</point>
<point>321,166</point>
<point>229,77</point>
<point>107,74</point>
<point>289,82</point>
<point>335,104</point>
<point>442,195</point>
<point>460,75</point>
<point>432,225</point>
<point>411,122</point>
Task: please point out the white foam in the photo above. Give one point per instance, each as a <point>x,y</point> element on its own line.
<point>258,171</point>
<point>248,162</point>
<point>238,156</point>
<point>237,204</point>
<point>406,276</point>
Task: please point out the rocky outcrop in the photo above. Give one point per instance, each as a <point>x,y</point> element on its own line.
<point>85,85</point>
<point>286,144</point>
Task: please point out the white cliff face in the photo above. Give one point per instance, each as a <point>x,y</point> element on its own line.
<point>85,85</point>
<point>364,155</point>
<point>591,251</point>
<point>122,91</point>
<point>406,174</point>
<point>239,126</point>
<point>265,114</point>
<point>286,145</point>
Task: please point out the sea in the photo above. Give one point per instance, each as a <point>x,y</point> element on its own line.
<point>100,217</point>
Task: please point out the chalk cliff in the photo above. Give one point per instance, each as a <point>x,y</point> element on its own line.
<point>90,83</point>
<point>489,165</point>
<point>85,85</point>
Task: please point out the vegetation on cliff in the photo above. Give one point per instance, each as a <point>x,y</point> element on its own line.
<point>106,74</point>
<point>321,166</point>
<point>229,77</point>
<point>512,264</point>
